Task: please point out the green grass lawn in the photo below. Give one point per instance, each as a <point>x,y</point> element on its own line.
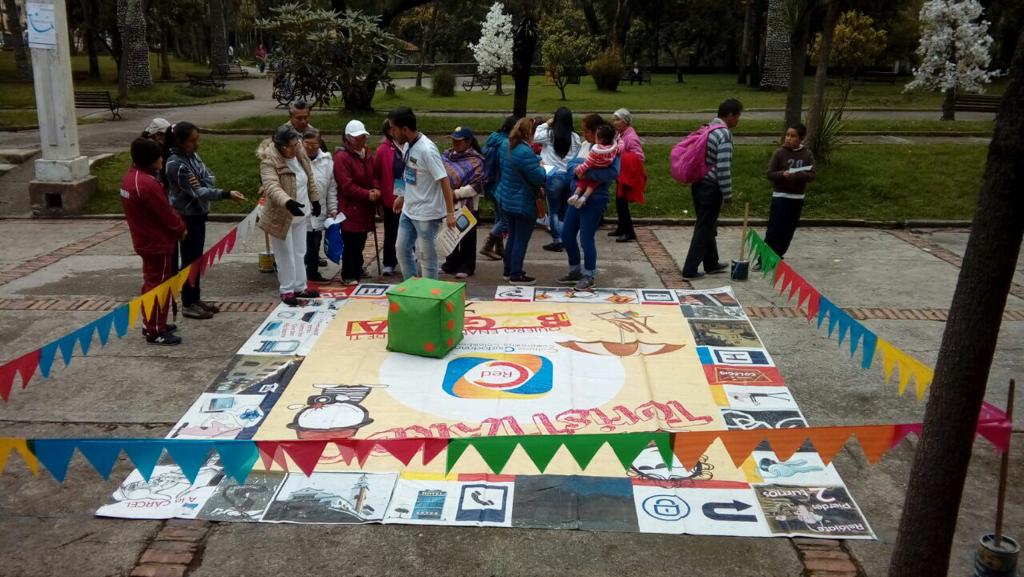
<point>877,182</point>
<point>22,94</point>
<point>334,122</point>
<point>21,117</point>
<point>700,92</point>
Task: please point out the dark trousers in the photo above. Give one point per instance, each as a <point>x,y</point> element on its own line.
<point>782,222</point>
<point>520,229</point>
<point>390,237</point>
<point>314,238</point>
<point>156,268</point>
<point>625,226</point>
<point>463,258</point>
<point>352,256</point>
<point>190,249</point>
<point>707,203</point>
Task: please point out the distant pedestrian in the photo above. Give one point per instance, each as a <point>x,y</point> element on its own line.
<point>790,169</point>
<point>559,144</point>
<point>191,186</point>
<point>323,172</point>
<point>299,112</point>
<point>426,199</point>
<point>155,230</point>
<point>522,177</point>
<point>292,197</point>
<point>632,156</point>
<point>493,149</point>
<point>711,192</point>
<point>261,58</point>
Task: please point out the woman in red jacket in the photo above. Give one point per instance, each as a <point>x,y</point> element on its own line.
<point>388,168</point>
<point>357,198</point>
<point>155,228</point>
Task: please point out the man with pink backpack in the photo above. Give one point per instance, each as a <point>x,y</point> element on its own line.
<point>704,160</point>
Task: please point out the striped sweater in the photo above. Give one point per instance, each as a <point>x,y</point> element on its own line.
<point>719,157</point>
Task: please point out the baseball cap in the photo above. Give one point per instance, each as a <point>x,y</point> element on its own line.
<point>157,125</point>
<point>355,128</point>
<point>462,133</point>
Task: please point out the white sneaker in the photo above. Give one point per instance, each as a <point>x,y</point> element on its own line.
<point>461,275</point>
<point>388,271</point>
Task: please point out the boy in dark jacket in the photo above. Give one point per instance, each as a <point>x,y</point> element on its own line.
<point>155,229</point>
<point>790,169</point>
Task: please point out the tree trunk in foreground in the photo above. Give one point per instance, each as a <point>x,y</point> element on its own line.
<point>798,55</point>
<point>18,44</point>
<point>814,115</point>
<point>525,44</point>
<point>968,343</point>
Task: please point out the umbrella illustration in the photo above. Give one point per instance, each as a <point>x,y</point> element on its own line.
<point>627,322</point>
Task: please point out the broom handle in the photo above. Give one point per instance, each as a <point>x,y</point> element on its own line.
<point>1003,467</point>
<point>266,239</point>
<point>743,239</point>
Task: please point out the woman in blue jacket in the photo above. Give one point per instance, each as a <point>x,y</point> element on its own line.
<point>581,222</point>
<point>521,178</point>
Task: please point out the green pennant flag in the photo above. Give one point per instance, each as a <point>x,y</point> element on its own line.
<point>584,447</point>
<point>627,446</point>
<point>456,447</point>
<point>541,449</point>
<point>495,451</point>
<point>664,443</point>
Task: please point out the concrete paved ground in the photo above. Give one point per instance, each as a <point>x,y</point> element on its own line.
<point>131,389</point>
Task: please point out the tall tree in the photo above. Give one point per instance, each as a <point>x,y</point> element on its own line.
<point>134,70</point>
<point>218,35</point>
<point>954,50</point>
<point>815,115</point>
<point>523,50</point>
<point>620,24</point>
<point>564,50</point>
<point>798,13</point>
<point>935,487</point>
<point>24,67</point>
<point>493,52</point>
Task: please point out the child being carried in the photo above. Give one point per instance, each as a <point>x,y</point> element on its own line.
<point>602,155</point>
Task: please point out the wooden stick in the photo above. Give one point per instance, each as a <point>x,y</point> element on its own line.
<point>1003,467</point>
<point>743,239</point>
<point>266,239</point>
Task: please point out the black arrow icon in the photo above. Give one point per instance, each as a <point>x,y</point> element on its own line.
<point>711,511</point>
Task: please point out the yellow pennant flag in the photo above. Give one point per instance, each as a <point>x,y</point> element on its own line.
<point>21,446</point>
<point>178,281</point>
<point>134,308</point>
<point>163,292</point>
<point>148,302</point>
<point>909,368</point>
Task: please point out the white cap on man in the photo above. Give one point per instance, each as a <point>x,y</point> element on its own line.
<point>156,125</point>
<point>355,129</point>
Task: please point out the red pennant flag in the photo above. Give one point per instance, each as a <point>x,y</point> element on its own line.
<point>432,448</point>
<point>902,431</point>
<point>813,303</point>
<point>270,453</point>
<point>346,450</point>
<point>785,442</point>
<point>306,454</point>
<point>689,447</point>
<point>229,240</point>
<point>363,448</point>
<point>25,365</point>
<point>402,449</point>
<point>193,273</point>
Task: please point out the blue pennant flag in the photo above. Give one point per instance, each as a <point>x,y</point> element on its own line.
<point>870,341</point>
<point>85,337</point>
<point>856,332</point>
<point>103,325</point>
<point>46,356</point>
<point>55,454</point>
<point>67,346</point>
<point>238,458</point>
<point>189,454</point>
<point>102,454</point>
<point>144,453</point>
<point>844,320</point>
<point>824,306</point>
<point>120,316</point>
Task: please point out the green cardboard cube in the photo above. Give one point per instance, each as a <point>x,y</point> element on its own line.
<point>425,317</point>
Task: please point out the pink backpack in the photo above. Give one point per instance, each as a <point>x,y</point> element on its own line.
<point>689,155</point>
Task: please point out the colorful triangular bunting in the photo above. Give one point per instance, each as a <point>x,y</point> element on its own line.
<point>541,449</point>
<point>190,455</point>
<point>54,454</point>
<point>144,453</point>
<point>584,447</point>
<point>102,454</point>
<point>238,458</point>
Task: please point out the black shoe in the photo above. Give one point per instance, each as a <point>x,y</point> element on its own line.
<point>195,311</point>
<point>554,247</point>
<point>289,299</point>
<point>572,278</point>
<point>625,238</point>
<point>364,273</point>
<point>693,276</point>
<point>307,294</point>
<point>164,338</point>
<point>321,262</point>
<point>315,277</point>
<point>717,269</point>
<point>522,280</point>
<point>170,329</point>
<point>212,309</point>
<point>615,232</point>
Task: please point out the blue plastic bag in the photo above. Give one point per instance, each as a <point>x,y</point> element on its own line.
<point>333,244</point>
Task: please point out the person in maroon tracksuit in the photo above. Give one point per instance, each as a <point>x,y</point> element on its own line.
<point>155,229</point>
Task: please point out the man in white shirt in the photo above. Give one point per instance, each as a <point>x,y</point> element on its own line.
<point>426,200</point>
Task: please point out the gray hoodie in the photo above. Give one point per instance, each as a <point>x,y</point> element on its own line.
<point>187,199</point>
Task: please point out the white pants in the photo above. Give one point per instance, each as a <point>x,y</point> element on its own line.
<point>288,255</point>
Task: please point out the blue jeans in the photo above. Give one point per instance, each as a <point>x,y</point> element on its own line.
<point>557,190</point>
<point>425,232</point>
<point>583,223</point>
<point>520,228</point>
<point>500,224</point>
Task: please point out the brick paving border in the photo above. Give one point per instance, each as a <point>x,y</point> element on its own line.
<point>660,259</point>
<point>826,558</point>
<point>104,304</point>
<point>40,262</point>
<point>176,550</point>
<point>942,253</point>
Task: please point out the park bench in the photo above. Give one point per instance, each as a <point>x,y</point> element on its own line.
<point>231,71</point>
<point>644,76</point>
<point>484,81</point>
<point>208,80</point>
<point>976,103</point>
<point>98,99</point>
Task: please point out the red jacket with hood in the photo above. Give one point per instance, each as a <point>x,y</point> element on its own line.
<point>155,226</point>
<point>355,179</point>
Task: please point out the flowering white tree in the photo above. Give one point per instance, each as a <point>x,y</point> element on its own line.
<point>954,50</point>
<point>493,53</point>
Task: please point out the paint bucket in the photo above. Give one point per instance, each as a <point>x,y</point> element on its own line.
<point>740,269</point>
<point>996,559</point>
<point>267,262</point>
